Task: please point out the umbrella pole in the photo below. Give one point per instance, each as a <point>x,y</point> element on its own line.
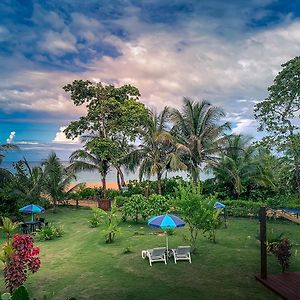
<point>167,242</point>
<point>32,217</point>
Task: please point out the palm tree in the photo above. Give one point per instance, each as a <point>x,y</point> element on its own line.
<point>157,151</point>
<point>28,180</point>
<point>199,133</point>
<point>240,167</point>
<point>56,178</point>
<point>83,160</point>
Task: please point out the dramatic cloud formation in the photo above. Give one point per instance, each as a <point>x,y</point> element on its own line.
<point>225,52</point>
<point>61,138</point>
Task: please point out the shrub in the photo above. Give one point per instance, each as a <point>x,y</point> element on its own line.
<point>96,218</point>
<point>120,200</point>
<point>24,258</point>
<point>49,232</point>
<point>241,208</point>
<point>282,251</point>
<point>134,206</point>
<point>157,205</point>
<point>198,211</point>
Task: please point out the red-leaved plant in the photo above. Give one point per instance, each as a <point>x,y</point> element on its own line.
<point>23,259</point>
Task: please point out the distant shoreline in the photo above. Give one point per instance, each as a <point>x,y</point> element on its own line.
<point>109,185</point>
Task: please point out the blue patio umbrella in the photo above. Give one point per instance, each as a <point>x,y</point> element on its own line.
<point>32,209</point>
<point>219,205</point>
<point>166,222</point>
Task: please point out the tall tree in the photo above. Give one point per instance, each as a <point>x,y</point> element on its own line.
<point>157,150</point>
<point>278,114</point>
<point>112,112</point>
<point>199,132</point>
<point>28,181</point>
<point>56,178</point>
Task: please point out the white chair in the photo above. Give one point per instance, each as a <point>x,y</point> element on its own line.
<point>182,253</point>
<point>155,255</point>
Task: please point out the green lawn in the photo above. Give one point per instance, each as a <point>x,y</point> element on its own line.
<point>80,264</point>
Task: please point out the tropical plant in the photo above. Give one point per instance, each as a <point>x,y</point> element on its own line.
<point>23,259</point>
<point>278,115</point>
<point>198,211</point>
<point>56,178</point>
<point>240,168</point>
<point>113,114</point>
<point>9,227</point>
<point>28,180</point>
<point>97,218</point>
<point>157,152</point>
<point>48,232</point>
<point>134,206</point>
<point>110,221</point>
<point>199,133</point>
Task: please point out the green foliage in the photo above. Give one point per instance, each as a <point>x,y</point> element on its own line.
<point>113,115</point>
<point>48,232</point>
<point>199,133</point>
<point>240,208</point>
<point>241,167</point>
<point>56,178</point>
<point>135,205</point>
<point>110,221</point>
<point>157,205</point>
<point>97,218</point>
<point>198,211</point>
<point>8,226</point>
<point>139,206</point>
<point>278,115</point>
<point>157,152</point>
<point>19,294</point>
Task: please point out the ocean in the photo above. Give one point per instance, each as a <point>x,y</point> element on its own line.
<point>94,176</point>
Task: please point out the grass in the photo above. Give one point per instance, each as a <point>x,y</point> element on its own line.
<point>80,264</point>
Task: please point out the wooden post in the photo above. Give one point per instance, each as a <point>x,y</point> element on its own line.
<point>263,243</point>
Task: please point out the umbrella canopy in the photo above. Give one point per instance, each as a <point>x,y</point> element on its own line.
<point>32,209</point>
<point>166,222</point>
<point>219,205</point>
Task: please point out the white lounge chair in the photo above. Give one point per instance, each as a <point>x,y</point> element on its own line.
<point>155,255</point>
<point>182,253</point>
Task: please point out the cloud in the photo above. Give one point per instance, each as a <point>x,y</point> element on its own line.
<point>11,137</point>
<point>61,138</point>
<point>167,55</point>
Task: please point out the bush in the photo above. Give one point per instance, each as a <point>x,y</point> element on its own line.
<point>138,206</point>
<point>120,200</point>
<point>135,206</point>
<point>49,232</point>
<point>157,205</point>
<point>241,208</point>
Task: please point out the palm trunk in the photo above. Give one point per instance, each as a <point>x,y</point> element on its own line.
<point>120,177</point>
<point>118,181</point>
<point>54,205</point>
<point>159,183</point>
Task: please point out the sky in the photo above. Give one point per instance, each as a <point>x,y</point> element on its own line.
<point>227,52</point>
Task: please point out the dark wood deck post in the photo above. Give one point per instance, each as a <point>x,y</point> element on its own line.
<point>263,243</point>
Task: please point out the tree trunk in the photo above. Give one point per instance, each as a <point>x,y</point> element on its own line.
<point>195,176</point>
<point>159,183</point>
<point>118,181</point>
<point>121,176</point>
<point>104,190</point>
<point>54,205</point>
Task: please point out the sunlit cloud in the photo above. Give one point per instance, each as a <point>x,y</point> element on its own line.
<point>9,140</point>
